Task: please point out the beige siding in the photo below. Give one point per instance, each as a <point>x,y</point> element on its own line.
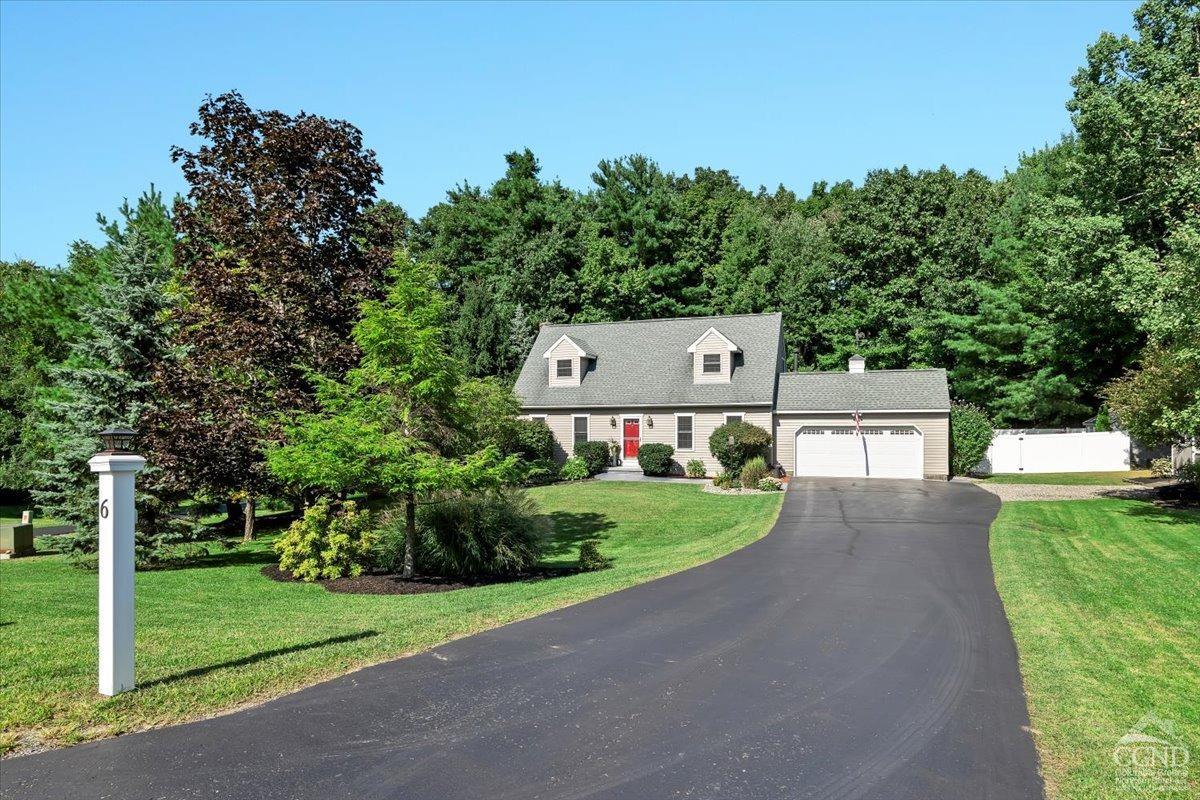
<point>712,344</point>
<point>933,425</point>
<point>565,349</point>
<point>657,425</point>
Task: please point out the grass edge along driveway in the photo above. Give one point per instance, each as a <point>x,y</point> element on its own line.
<point>219,635</point>
<point>1102,597</point>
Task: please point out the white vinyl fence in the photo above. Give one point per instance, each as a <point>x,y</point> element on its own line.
<point>1018,451</point>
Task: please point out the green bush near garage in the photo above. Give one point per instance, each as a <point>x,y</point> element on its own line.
<point>735,443</point>
<point>970,436</point>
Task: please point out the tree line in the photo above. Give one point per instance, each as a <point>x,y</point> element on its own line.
<point>207,323</point>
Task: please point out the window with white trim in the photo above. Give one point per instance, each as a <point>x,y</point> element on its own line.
<point>539,418</point>
<point>733,418</point>
<point>581,429</point>
<point>684,428</point>
<point>711,363</point>
<point>562,368</point>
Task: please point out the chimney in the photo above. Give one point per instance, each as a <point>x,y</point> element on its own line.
<point>858,364</point>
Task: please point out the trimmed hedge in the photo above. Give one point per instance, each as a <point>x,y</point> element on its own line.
<point>655,458</point>
<point>594,454</point>
<point>735,443</point>
<point>970,436</point>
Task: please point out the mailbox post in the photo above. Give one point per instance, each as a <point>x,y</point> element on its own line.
<point>117,467</point>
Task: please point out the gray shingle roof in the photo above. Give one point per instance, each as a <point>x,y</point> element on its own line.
<point>646,363</point>
<point>873,390</point>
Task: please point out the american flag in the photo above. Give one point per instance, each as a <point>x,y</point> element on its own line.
<point>858,423</point>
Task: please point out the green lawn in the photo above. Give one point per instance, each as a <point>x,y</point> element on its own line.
<point>1068,478</point>
<point>219,635</point>
<point>11,515</point>
<point>1104,601</point>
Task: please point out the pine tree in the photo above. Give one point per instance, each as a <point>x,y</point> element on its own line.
<point>105,381</point>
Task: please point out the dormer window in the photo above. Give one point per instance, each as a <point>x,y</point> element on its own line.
<point>566,362</point>
<point>713,357</point>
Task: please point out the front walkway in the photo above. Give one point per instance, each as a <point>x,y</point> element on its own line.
<point>857,651</point>
<point>638,475</point>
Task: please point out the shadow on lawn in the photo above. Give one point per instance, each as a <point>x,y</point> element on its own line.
<point>571,528</point>
<point>256,657</point>
<point>1163,516</point>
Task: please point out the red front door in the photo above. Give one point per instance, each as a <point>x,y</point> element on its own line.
<point>633,437</point>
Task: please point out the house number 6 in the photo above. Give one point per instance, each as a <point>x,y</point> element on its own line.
<point>104,508</point>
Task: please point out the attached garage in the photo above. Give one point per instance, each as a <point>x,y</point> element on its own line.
<point>846,451</point>
<point>902,428</point>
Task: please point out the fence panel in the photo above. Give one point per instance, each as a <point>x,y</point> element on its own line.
<point>1056,452</point>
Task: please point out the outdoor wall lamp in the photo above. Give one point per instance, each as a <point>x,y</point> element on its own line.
<point>649,421</point>
<point>612,422</point>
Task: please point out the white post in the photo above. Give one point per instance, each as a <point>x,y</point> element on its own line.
<point>117,519</point>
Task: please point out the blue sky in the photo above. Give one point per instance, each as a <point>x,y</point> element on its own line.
<point>93,96</point>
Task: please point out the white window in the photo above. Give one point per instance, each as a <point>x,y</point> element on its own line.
<point>580,429</point>
<point>538,418</point>
<point>562,368</point>
<point>684,427</point>
<point>733,418</point>
<point>711,363</point>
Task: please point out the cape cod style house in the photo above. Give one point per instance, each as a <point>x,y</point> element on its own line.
<point>676,380</point>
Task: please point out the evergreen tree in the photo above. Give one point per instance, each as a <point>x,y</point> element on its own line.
<point>106,381</point>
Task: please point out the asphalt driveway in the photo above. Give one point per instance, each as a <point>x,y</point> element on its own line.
<point>858,651</point>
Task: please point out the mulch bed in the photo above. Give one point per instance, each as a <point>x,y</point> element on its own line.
<point>419,584</point>
<point>1178,495</point>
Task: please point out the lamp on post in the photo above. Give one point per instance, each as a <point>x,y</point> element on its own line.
<point>117,440</point>
<point>116,465</point>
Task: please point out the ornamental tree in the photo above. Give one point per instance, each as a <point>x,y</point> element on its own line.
<point>276,254</point>
<point>395,423</point>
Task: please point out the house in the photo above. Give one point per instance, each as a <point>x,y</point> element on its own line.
<point>676,380</point>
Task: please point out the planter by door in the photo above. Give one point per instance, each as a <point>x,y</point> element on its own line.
<point>632,436</point>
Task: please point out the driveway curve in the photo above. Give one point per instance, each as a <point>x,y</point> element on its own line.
<point>858,651</point>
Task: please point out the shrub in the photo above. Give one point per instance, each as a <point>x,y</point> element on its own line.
<point>655,458</point>
<point>328,542</point>
<point>1162,467</point>
<point>531,439</point>
<point>493,534</point>
<point>590,557</point>
<point>734,443</point>
<point>970,436</point>
<point>1189,472</point>
<point>594,455</point>
<point>696,469</point>
<point>1103,420</point>
<point>573,469</point>
<point>770,485</point>
<point>753,471</point>
<point>726,480</point>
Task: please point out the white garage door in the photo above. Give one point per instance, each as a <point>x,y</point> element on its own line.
<point>842,452</point>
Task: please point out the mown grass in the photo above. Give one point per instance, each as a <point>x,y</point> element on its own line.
<point>1068,478</point>
<point>219,635</point>
<point>11,515</point>
<point>1104,601</point>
